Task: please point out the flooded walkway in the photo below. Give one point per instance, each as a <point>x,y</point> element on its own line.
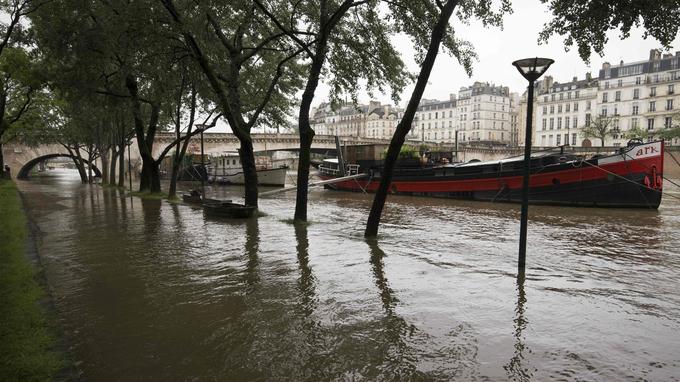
<point>149,290</point>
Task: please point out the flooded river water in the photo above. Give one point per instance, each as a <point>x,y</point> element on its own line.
<point>149,290</point>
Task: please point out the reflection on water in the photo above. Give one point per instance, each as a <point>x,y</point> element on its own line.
<point>151,290</point>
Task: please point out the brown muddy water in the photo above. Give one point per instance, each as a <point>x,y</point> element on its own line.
<point>149,290</point>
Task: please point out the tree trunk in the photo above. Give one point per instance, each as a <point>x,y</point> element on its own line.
<point>404,125</point>
<point>2,160</point>
<point>89,167</point>
<point>249,172</point>
<point>150,178</point>
<point>112,169</point>
<point>306,132</point>
<point>172,190</point>
<point>105,166</point>
<point>121,164</point>
<point>80,165</point>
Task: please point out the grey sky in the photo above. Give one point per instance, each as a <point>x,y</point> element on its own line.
<point>498,48</point>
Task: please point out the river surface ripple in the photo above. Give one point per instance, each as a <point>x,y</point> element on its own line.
<point>149,290</point>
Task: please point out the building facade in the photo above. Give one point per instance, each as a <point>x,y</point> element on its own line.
<point>349,120</point>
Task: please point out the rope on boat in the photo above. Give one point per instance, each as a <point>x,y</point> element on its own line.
<point>673,156</point>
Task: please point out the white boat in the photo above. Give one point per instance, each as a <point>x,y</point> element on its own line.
<point>226,169</point>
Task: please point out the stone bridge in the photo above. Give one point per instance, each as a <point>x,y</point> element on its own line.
<point>22,159</point>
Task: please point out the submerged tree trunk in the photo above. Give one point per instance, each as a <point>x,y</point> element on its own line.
<point>112,169</point>
<point>249,172</point>
<point>121,164</point>
<point>150,178</point>
<point>80,165</point>
<point>306,132</point>
<point>404,125</point>
<point>105,166</point>
<point>89,166</point>
<point>2,159</point>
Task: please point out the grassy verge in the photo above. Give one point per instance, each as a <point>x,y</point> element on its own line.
<point>26,343</point>
<point>149,195</point>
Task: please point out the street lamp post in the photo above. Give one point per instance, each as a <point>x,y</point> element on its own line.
<point>531,69</point>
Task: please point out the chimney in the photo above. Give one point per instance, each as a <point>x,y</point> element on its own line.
<point>621,63</point>
<point>575,79</point>
<point>548,82</point>
<point>667,55</point>
<point>452,97</point>
<point>589,76</point>
<point>654,54</point>
<point>606,65</point>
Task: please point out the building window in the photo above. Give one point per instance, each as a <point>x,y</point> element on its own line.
<point>552,97</point>
<point>575,123</point>
<point>573,139</point>
<point>588,119</point>
<point>617,96</point>
<point>588,104</point>
<point>637,81</point>
<point>636,109</point>
<point>636,93</point>
<point>616,109</point>
<point>566,122</point>
<point>650,124</point>
<point>576,94</point>
<point>605,95</point>
<point>552,123</point>
<point>545,99</point>
<point>559,108</point>
<point>569,95</point>
<point>669,104</point>
<point>545,110</point>
<point>559,139</point>
<point>545,123</point>
<point>567,107</point>
<point>620,83</point>
<point>668,121</point>
<point>604,112</point>
<point>606,85</point>
<point>575,106</point>
<point>634,123</point>
<point>559,123</point>
<point>671,89</point>
<point>652,91</point>
<point>652,106</point>
<point>552,109</point>
<point>561,96</point>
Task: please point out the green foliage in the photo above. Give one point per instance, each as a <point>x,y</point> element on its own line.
<point>601,127</point>
<point>585,23</point>
<point>637,133</point>
<point>26,342</point>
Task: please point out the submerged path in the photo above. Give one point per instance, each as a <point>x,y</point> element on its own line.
<point>148,290</point>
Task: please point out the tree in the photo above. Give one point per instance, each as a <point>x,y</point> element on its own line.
<point>19,76</point>
<point>601,127</point>
<point>669,133</point>
<point>250,66</point>
<point>585,23</point>
<point>350,41</point>
<point>428,24</point>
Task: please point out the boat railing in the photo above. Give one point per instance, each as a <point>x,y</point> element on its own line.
<point>352,169</point>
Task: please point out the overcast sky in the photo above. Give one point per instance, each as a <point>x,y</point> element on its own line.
<point>497,49</point>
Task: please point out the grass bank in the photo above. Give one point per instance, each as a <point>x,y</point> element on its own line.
<point>27,346</point>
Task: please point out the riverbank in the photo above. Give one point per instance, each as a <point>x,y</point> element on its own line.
<point>26,341</point>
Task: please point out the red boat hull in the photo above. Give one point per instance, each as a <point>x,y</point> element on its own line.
<point>632,178</point>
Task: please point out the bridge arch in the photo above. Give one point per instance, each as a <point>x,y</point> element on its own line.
<point>26,168</point>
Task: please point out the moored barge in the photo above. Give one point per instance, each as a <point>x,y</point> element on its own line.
<point>630,178</point>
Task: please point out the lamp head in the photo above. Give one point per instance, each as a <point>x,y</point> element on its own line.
<point>533,68</point>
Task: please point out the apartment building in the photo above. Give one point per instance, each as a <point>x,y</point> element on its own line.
<point>642,95</point>
<point>562,109</point>
<point>349,120</point>
<point>435,121</point>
